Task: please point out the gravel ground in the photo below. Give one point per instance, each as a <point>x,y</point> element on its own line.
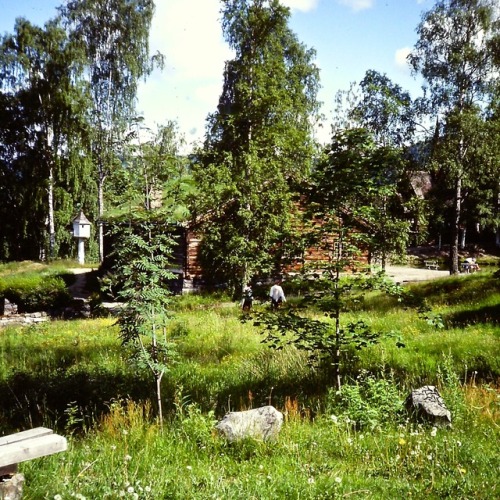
<point>402,274</point>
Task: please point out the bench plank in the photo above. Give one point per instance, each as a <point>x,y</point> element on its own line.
<point>20,451</point>
<point>21,436</point>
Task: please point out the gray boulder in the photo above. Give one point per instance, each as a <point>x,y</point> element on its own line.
<point>262,423</point>
<point>11,487</point>
<point>427,404</point>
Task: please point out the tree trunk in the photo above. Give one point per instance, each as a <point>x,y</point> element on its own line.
<point>100,208</point>
<point>50,194</point>
<point>455,229</point>
<point>52,229</point>
<point>497,238</point>
<point>462,239</point>
<point>158,395</point>
<point>337,311</point>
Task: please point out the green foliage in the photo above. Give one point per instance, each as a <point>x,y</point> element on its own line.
<point>259,144</point>
<point>358,182</point>
<point>142,270</point>
<point>455,54</point>
<point>70,376</point>
<point>153,173</point>
<point>112,40</point>
<point>43,142</point>
<point>34,292</point>
<point>327,341</point>
<point>384,109</point>
<point>367,404</point>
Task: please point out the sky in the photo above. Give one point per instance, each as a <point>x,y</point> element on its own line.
<point>349,37</point>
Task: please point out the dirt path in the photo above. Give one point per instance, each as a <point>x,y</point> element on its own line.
<point>403,274</point>
<point>78,288</point>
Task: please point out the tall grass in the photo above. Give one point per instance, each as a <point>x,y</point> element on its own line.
<point>127,455</point>
<point>74,376</point>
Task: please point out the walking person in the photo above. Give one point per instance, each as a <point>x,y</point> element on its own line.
<point>277,295</point>
<point>247,298</point>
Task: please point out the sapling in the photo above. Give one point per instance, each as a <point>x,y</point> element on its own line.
<point>337,290</point>
<point>142,273</point>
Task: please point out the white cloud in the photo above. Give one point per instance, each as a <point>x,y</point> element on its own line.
<point>188,33</point>
<point>302,5</point>
<point>400,58</point>
<point>357,5</point>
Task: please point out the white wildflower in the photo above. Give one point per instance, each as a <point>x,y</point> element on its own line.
<point>189,467</point>
<point>434,431</point>
<point>338,480</point>
<point>127,458</point>
<point>130,489</point>
<point>57,497</point>
<point>310,480</point>
<point>334,419</point>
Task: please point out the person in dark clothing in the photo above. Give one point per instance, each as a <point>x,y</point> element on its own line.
<point>247,298</point>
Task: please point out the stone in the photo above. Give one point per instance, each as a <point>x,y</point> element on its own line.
<point>427,404</point>
<point>9,308</point>
<point>261,423</point>
<point>11,487</point>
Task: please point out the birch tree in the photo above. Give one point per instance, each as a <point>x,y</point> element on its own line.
<point>455,55</point>
<point>40,80</point>
<point>114,37</point>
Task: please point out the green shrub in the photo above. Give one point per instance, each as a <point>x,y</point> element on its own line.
<point>366,404</point>
<point>35,291</point>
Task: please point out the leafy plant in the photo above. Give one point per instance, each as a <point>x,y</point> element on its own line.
<point>34,291</point>
<point>329,341</point>
<point>369,402</point>
<point>143,272</point>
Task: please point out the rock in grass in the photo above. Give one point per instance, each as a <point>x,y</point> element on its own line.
<point>427,404</point>
<point>262,423</point>
<point>11,487</point>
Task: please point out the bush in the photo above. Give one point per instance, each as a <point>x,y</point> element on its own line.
<point>35,292</point>
<point>367,403</point>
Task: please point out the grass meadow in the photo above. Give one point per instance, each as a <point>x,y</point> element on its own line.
<point>74,377</point>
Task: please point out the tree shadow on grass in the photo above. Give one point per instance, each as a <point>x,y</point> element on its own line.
<point>33,400</point>
<point>484,315</point>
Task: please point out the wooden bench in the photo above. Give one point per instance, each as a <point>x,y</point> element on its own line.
<point>431,264</point>
<point>26,445</point>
